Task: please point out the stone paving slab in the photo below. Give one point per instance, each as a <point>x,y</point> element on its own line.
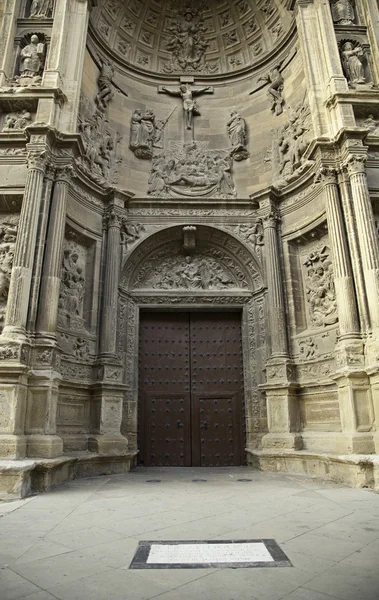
<point>76,542</point>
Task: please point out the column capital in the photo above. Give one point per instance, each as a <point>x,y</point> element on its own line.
<point>112,219</point>
<point>327,175</point>
<point>37,159</point>
<point>356,163</point>
<point>271,219</point>
<point>64,173</point>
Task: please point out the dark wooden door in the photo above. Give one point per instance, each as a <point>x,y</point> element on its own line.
<point>191,389</point>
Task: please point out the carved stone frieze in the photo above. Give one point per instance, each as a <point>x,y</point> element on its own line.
<point>192,171</point>
<point>76,371</point>
<point>319,288</point>
<point>315,371</point>
<point>8,235</point>
<point>229,300</point>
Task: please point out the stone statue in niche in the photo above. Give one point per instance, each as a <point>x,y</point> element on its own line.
<point>17,121</point>
<point>8,235</point>
<point>319,289</point>
<point>32,58</point>
<point>237,135</point>
<point>41,8</point>
<point>72,284</point>
<point>189,273</point>
<point>342,12</point>
<point>372,125</point>
<point>352,56</point>
<point>289,146</point>
<point>186,41</point>
<point>192,171</point>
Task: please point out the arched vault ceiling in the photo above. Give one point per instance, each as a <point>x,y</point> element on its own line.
<point>189,37</point>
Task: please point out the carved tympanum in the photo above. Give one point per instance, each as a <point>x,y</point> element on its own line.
<point>8,234</point>
<point>319,288</point>
<point>182,272</point>
<point>191,171</point>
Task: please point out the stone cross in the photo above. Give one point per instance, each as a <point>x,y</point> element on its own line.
<point>190,108</point>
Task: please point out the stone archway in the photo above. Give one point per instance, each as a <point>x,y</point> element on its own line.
<point>186,268</point>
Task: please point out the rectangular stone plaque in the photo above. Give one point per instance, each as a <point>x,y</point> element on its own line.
<point>209,554</point>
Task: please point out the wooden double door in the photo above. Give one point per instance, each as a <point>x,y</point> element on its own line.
<point>191,402</point>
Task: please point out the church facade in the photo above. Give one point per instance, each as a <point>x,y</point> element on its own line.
<point>189,205</point>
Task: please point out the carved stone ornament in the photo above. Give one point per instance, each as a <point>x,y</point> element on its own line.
<point>146,133</point>
<point>353,57</point>
<point>72,286</point>
<point>289,146</point>
<point>8,235</point>
<point>308,349</point>
<point>186,40</point>
<point>276,85</point>
<point>238,136</point>
<point>41,8</point>
<point>342,12</point>
<point>32,59</point>
<point>17,121</point>
<point>192,171</point>
<point>319,288</point>
<point>130,232</point>
<point>184,272</point>
<point>371,124</point>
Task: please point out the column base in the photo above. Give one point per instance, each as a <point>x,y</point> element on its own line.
<point>109,443</point>
<point>358,443</point>
<point>44,446</point>
<point>12,446</point>
<point>283,441</point>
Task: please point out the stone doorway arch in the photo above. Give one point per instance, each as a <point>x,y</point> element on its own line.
<point>219,272</point>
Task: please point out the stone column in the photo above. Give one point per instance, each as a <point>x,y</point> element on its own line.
<point>107,401</point>
<point>343,281</point>
<point>351,230</point>
<point>51,274</point>
<point>19,288</point>
<point>7,35</point>
<point>282,404</point>
<point>367,235</point>
<point>110,289</point>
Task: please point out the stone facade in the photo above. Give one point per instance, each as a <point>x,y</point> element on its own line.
<point>199,155</point>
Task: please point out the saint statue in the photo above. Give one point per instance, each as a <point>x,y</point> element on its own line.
<point>352,63</point>
<point>342,12</point>
<point>41,8</point>
<point>32,57</point>
<point>237,130</point>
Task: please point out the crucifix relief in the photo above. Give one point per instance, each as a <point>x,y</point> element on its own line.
<point>190,107</point>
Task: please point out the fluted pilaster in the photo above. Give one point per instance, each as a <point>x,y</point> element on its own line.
<point>343,281</point>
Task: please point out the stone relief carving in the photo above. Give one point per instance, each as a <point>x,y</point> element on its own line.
<point>32,59</point>
<point>131,232</point>
<point>41,8</point>
<point>146,133</point>
<point>319,288</point>
<point>371,124</point>
<point>187,93</point>
<point>189,273</point>
<point>342,12</point>
<point>72,285</point>
<point>253,234</point>
<point>186,41</point>
<point>8,235</point>
<point>308,349</point>
<point>17,121</point>
<point>192,171</point>
<point>237,133</point>
<point>100,161</point>
<point>276,85</point>
<point>289,145</point>
<point>353,57</point>
<point>81,348</point>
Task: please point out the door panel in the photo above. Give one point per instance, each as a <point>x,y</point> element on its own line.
<point>191,389</point>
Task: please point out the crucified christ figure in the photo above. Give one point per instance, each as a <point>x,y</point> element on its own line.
<point>190,107</point>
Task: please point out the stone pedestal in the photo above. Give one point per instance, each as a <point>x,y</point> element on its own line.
<point>106,416</point>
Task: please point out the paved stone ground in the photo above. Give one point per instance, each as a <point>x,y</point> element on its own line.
<point>77,541</point>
